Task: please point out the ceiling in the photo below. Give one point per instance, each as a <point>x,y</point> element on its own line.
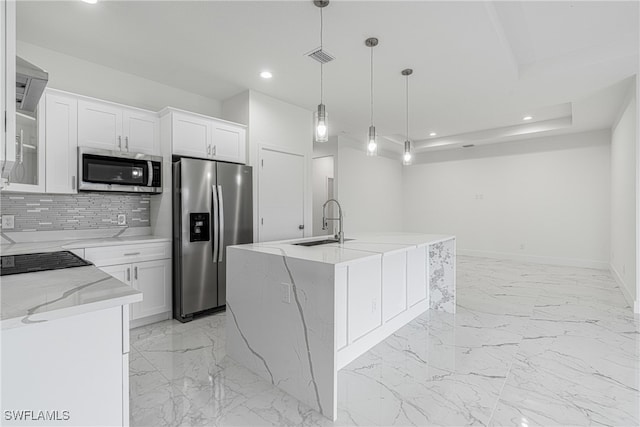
<point>479,67</point>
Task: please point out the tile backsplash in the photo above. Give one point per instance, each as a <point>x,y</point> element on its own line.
<point>45,212</point>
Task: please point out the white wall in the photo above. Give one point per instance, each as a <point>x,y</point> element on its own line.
<point>542,200</point>
<point>623,198</point>
<point>279,125</point>
<point>323,171</point>
<point>87,78</point>
<point>369,189</point>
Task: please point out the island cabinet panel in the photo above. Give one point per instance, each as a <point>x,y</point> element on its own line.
<point>394,285</point>
<point>341,286</point>
<point>416,275</point>
<point>364,308</point>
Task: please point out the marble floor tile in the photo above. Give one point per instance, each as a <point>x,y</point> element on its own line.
<point>529,345</point>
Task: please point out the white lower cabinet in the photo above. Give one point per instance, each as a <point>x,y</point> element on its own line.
<point>151,277</point>
<point>363,299</point>
<point>394,284</point>
<point>75,365</point>
<point>416,275</point>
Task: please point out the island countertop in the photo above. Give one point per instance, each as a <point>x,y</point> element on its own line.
<point>48,295</point>
<point>356,247</point>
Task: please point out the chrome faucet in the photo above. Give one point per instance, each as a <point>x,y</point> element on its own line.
<point>325,224</point>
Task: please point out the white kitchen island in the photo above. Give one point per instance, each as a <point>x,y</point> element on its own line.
<point>299,314</point>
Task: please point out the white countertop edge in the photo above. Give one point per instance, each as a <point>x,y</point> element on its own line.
<point>61,245</point>
<point>315,252</point>
<point>47,316</point>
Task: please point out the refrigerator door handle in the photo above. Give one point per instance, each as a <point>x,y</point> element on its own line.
<point>215,231</point>
<point>221,223</point>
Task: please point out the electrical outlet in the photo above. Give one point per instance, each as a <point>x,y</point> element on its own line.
<point>8,222</point>
<point>285,290</point>
<point>122,219</point>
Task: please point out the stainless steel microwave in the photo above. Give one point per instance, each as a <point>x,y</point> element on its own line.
<point>106,170</point>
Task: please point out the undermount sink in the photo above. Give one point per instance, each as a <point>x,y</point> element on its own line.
<point>319,242</point>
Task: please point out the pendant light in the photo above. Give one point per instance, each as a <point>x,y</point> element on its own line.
<point>321,125</point>
<point>407,157</point>
<point>372,139</point>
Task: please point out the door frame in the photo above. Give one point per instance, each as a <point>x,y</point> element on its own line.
<point>305,196</point>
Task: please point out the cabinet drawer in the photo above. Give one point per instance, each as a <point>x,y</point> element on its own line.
<point>110,255</point>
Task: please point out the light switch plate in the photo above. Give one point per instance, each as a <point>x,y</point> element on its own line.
<point>285,289</point>
<point>122,219</point>
<point>8,222</point>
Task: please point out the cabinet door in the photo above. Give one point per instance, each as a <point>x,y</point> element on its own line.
<point>364,295</point>
<point>394,284</point>
<point>8,80</point>
<point>416,275</point>
<point>121,272</point>
<point>229,142</point>
<point>153,279</point>
<point>99,126</point>
<point>140,132</point>
<point>191,136</point>
<point>61,134</point>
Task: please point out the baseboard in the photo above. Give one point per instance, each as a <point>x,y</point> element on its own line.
<point>625,289</point>
<point>536,259</point>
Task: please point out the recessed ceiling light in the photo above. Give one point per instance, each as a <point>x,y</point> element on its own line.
<point>90,1</point>
<point>266,74</point>
<point>432,134</point>
<point>527,118</point>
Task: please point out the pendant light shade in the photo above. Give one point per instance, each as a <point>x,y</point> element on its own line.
<point>407,156</point>
<point>321,122</point>
<point>321,125</point>
<point>372,137</point>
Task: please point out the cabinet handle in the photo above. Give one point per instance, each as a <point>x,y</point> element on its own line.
<point>214,150</point>
<point>135,272</point>
<point>119,142</point>
<point>126,142</point>
<point>128,274</point>
<point>73,182</point>
<point>208,150</point>
<point>132,254</point>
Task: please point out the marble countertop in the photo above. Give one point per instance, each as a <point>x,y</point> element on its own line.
<point>361,247</point>
<point>48,295</point>
<point>61,245</point>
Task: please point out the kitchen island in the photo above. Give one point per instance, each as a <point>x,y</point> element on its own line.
<point>298,314</point>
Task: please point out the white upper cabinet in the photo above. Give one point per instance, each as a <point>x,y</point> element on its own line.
<point>114,127</point>
<point>229,142</point>
<point>99,125</point>
<point>193,135</point>
<point>140,132</point>
<point>61,139</point>
<point>8,83</point>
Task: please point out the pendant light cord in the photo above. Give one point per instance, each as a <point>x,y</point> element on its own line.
<point>407,89</point>
<point>371,85</point>
<point>321,64</point>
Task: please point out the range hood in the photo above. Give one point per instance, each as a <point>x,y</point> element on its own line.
<point>30,83</point>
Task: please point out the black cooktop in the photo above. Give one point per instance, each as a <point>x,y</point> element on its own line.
<point>29,263</point>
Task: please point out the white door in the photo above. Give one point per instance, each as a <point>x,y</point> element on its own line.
<point>280,195</point>
<point>100,126</point>
<point>61,133</point>
<point>140,132</point>
<point>191,136</point>
<point>152,278</point>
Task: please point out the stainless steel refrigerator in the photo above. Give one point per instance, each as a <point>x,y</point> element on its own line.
<point>212,209</point>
